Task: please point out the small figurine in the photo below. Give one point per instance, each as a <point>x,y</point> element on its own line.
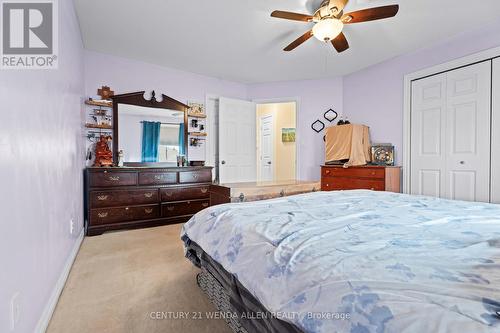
<point>103,155</point>
<point>120,158</point>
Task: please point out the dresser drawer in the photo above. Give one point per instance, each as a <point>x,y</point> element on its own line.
<point>335,184</point>
<point>185,193</point>
<point>157,178</point>
<point>105,179</point>
<point>378,173</point>
<point>100,199</point>
<point>123,214</point>
<point>183,208</point>
<point>199,176</point>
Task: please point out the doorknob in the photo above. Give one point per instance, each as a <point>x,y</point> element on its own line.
<point>223,162</point>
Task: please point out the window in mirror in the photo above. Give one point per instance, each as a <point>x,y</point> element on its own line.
<point>168,148</point>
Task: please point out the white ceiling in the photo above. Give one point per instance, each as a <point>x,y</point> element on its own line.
<point>238,40</point>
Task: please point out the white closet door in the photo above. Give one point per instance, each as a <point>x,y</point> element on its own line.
<point>428,139</point>
<point>450,134</point>
<point>237,141</point>
<point>468,133</point>
<point>495,135</point>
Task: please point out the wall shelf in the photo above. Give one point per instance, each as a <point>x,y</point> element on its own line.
<point>99,103</point>
<point>195,115</point>
<point>108,127</point>
<point>197,134</point>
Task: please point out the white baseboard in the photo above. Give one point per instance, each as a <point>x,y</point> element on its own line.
<point>44,320</point>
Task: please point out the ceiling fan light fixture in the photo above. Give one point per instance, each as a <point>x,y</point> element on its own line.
<point>327,29</point>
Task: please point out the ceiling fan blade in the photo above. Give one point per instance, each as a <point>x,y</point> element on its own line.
<point>370,14</point>
<point>299,41</point>
<point>291,16</point>
<point>340,43</point>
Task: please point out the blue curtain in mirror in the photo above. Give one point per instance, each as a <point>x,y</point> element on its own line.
<point>181,140</point>
<point>150,141</point>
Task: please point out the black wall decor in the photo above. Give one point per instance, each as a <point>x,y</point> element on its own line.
<point>318,126</point>
<point>331,115</point>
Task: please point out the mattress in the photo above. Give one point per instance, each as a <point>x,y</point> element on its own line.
<point>361,261</point>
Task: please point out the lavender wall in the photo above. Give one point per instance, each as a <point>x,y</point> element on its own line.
<point>125,75</point>
<point>40,175</point>
<point>374,96</point>
<point>315,97</point>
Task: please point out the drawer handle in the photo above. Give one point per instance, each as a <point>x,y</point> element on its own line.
<point>327,185</point>
<point>114,178</point>
<point>158,177</point>
<point>169,194</point>
<point>327,172</point>
<point>373,189</point>
<point>126,208</point>
<point>282,193</point>
<point>148,210</point>
<point>205,204</point>
<point>170,208</point>
<point>195,176</point>
<point>148,195</point>
<point>204,190</point>
<point>102,197</point>
<point>103,215</point>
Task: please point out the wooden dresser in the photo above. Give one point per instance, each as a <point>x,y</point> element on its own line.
<point>375,178</point>
<point>126,198</point>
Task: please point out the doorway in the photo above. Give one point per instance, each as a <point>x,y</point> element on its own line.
<point>276,150</point>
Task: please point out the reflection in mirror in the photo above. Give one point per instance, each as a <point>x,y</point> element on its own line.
<point>150,135</point>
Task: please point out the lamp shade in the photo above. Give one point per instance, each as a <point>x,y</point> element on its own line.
<point>326,30</point>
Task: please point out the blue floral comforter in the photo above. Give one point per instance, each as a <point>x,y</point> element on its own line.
<point>362,261</point>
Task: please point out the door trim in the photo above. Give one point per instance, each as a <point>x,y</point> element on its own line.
<point>297,121</point>
<point>475,58</point>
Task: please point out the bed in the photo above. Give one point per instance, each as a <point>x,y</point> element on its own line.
<point>351,261</point>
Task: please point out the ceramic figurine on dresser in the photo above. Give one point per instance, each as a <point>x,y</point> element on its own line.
<point>103,155</point>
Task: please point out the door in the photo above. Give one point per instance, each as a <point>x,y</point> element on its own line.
<point>237,141</point>
<point>428,128</point>
<point>495,135</point>
<point>266,148</point>
<point>450,134</point>
<point>468,133</point>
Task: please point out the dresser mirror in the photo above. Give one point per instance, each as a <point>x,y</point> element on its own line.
<point>149,132</point>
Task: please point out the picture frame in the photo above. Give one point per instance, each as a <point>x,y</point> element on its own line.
<point>382,154</point>
<point>288,135</point>
<point>196,108</point>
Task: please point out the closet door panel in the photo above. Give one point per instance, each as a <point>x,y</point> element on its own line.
<point>428,128</point>
<point>468,105</point>
<point>495,135</point>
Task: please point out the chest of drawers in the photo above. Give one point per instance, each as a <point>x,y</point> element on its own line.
<point>126,198</point>
<point>375,178</point>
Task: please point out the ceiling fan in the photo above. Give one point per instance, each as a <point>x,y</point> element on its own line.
<point>330,19</point>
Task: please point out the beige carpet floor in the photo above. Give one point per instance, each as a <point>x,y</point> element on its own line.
<point>119,279</point>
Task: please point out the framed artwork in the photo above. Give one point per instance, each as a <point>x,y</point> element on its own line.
<point>383,154</point>
<point>196,108</point>
<point>288,135</point>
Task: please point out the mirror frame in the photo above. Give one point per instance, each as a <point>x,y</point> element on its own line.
<point>137,98</point>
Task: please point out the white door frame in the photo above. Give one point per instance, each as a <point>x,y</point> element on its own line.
<point>445,67</point>
<point>211,159</point>
<point>259,178</point>
<point>297,121</point>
